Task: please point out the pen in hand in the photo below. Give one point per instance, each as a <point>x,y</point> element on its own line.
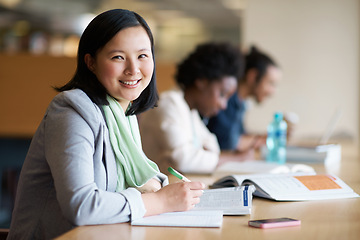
<point>178,175</point>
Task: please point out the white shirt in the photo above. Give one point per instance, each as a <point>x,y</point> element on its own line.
<point>173,135</point>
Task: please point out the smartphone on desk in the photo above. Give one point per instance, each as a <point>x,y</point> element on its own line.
<point>274,223</point>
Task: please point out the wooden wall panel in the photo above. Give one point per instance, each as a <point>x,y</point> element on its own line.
<point>26,88</point>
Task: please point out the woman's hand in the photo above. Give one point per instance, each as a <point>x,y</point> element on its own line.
<point>152,185</point>
<point>181,196</point>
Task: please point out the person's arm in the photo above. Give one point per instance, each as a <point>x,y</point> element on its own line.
<point>236,156</point>
<point>152,185</point>
<point>250,141</point>
<point>181,196</point>
<point>70,150</point>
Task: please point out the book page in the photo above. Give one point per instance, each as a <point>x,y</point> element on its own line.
<point>232,201</point>
<point>182,219</point>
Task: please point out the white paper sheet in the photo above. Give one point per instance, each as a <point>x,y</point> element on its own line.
<point>183,219</point>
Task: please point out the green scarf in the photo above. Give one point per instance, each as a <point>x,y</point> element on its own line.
<point>134,169</point>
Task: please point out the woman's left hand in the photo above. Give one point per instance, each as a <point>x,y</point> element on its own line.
<point>152,185</point>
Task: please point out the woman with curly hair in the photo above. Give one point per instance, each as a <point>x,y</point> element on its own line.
<point>260,80</point>
<point>206,79</point>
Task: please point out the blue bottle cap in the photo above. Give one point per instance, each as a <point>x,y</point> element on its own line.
<point>278,116</point>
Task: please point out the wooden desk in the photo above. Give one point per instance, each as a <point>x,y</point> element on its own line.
<point>330,219</point>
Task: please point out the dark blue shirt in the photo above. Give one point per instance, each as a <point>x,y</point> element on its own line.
<point>228,125</point>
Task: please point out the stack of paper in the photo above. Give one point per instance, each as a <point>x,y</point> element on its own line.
<point>328,154</point>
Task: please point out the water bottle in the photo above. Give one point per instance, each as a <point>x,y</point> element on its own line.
<point>276,140</point>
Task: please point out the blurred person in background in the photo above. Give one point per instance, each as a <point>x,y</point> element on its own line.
<point>260,80</point>
<point>206,79</point>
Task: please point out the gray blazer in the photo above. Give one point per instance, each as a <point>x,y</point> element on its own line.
<point>69,175</point>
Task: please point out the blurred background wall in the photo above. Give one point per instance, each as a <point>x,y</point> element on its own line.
<point>316,43</point>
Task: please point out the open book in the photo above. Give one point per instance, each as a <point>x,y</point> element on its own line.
<point>214,203</point>
<point>291,186</point>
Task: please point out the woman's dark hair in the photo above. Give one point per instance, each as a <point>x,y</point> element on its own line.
<point>259,61</point>
<point>211,61</point>
<point>99,32</point>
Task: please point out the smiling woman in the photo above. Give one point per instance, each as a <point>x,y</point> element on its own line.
<point>124,66</point>
<point>85,164</point>
<point>103,55</point>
